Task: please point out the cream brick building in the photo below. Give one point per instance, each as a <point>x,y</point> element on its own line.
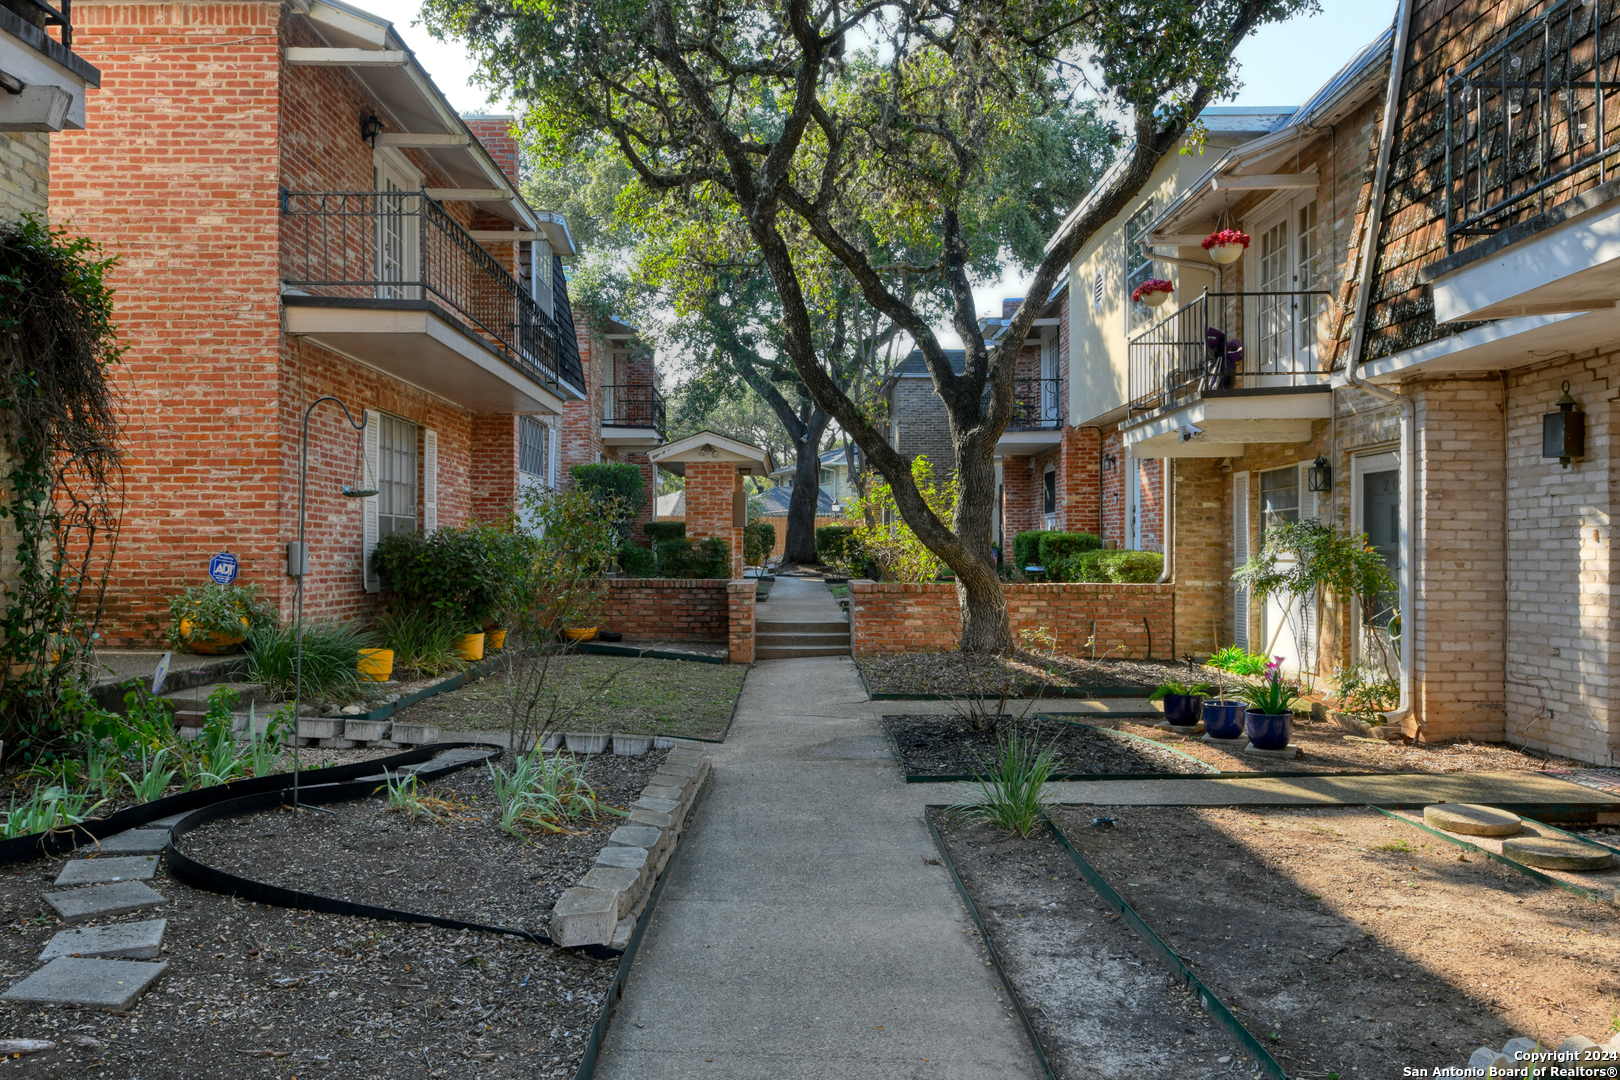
<point>42,89</point>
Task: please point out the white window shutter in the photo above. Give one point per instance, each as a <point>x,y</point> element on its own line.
<point>368,506</point>
<point>1240,555</point>
<point>430,481</point>
<point>552,459</point>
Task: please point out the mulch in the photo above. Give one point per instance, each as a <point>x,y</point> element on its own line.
<point>946,673</point>
<point>265,992</point>
<point>946,745</point>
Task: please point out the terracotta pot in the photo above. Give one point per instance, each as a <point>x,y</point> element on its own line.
<point>1224,719</point>
<point>495,639</point>
<point>212,644</point>
<point>580,633</point>
<point>376,665</point>
<point>470,646</point>
<point>1268,731</point>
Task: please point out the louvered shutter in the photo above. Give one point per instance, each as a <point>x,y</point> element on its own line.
<point>1240,555</point>
<point>430,481</point>
<point>368,506</point>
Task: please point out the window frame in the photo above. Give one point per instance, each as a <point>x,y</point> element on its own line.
<point>408,434</point>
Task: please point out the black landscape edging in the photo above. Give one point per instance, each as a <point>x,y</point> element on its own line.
<point>621,978</point>
<point>990,946</point>
<point>1172,959</point>
<point>596,648</point>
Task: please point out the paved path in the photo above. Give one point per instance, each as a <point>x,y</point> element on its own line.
<point>801,934</point>
<point>798,600</point>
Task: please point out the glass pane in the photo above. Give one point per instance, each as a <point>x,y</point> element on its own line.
<point>1138,267</point>
<point>396,476</point>
<point>1381,519</point>
<point>534,443</point>
<point>1272,312</point>
<point>1279,497</point>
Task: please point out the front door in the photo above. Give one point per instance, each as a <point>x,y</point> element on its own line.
<point>1378,514</point>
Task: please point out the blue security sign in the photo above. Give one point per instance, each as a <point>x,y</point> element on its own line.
<point>223,568</point>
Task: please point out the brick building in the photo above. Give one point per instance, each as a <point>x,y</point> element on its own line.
<point>43,84</point>
<point>621,417</point>
<point>300,213</point>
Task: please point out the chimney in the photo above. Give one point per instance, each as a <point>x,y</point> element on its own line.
<point>1009,304</point>
<point>495,132</point>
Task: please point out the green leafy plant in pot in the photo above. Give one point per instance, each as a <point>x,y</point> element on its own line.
<point>1269,721</point>
<point>214,619</point>
<point>1182,701</point>
<point>1223,719</point>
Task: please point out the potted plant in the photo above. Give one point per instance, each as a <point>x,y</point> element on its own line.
<point>495,637</point>
<point>470,646</point>
<point>1226,246</point>
<point>215,619</point>
<point>1223,719</point>
<point>1181,702</point>
<point>1269,721</point>
<point>1152,292</point>
<point>376,665</point>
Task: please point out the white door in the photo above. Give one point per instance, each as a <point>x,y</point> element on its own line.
<point>1049,380</point>
<point>1288,261</point>
<point>399,212</point>
<point>1288,628</point>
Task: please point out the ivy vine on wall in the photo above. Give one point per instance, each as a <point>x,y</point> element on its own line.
<point>61,476</point>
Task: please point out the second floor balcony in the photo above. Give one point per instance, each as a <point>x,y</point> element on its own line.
<point>1227,369</point>
<point>1037,417</point>
<point>391,279</point>
<point>632,415</point>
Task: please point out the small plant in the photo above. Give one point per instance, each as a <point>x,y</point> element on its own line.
<point>544,793</point>
<point>47,809</point>
<point>1365,690</point>
<point>154,780</point>
<point>1010,798</point>
<point>1271,696</point>
<point>1151,285</point>
<point>1238,661</point>
<point>1178,689</point>
<point>404,796</point>
<point>1223,237</point>
<point>423,640</point>
<point>204,612</point>
<point>331,657</point>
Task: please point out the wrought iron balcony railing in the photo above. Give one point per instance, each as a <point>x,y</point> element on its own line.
<point>404,246</point>
<point>1225,342</point>
<point>633,406</point>
<point>1036,404</point>
<point>41,14</point>
<point>1527,123</point>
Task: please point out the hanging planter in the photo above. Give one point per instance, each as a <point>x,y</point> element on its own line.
<point>1152,292</point>
<point>1226,246</point>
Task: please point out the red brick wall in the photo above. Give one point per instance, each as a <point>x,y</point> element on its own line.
<point>676,609</point>
<point>709,489</point>
<point>1020,498</point>
<point>495,133</point>
<point>1150,506</point>
<point>581,435</point>
<point>890,618</point>
<point>1113,488</point>
<point>1077,464</point>
<point>494,467</point>
<point>740,601</point>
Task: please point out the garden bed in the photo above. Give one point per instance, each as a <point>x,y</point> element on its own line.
<point>938,746</point>
<point>1354,944</point>
<point>625,695</point>
<point>954,673</point>
<point>1098,998</point>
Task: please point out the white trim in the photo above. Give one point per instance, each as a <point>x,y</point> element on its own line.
<point>370,445</point>
<point>1242,496</point>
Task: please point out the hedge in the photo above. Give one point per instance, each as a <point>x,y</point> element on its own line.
<point>664,530</point>
<point>613,478</point>
<point>837,544</point>
<point>1116,567</point>
<point>683,558</point>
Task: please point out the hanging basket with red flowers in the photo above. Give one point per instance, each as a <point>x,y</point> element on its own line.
<point>1226,245</point>
<point>1152,292</point>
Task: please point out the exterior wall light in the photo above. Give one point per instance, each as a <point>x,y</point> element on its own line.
<point>1563,433</point>
<point>370,128</point>
<point>1321,475</point>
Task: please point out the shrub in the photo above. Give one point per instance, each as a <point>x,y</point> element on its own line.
<point>664,530</point>
<point>331,657</point>
<point>683,558</point>
<point>759,538</point>
<point>422,639</point>
<point>836,544</point>
<point>1011,797</point>
<point>1116,567</point>
<point>890,543</point>
<point>465,573</point>
<point>1058,546</point>
<point>617,485</point>
<point>635,560</point>
<point>1027,549</point>
<point>1238,661</point>
<point>216,611</point>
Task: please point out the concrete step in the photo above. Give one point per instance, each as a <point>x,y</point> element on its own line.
<point>802,639</point>
<point>191,705</point>
<point>826,626</point>
<point>793,652</point>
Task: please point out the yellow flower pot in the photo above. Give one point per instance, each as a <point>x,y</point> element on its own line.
<point>580,634</point>
<point>376,664</point>
<point>495,639</point>
<point>470,646</point>
<point>212,644</point>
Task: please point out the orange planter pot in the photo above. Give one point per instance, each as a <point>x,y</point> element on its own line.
<point>376,665</point>
<point>212,644</point>
<point>582,634</point>
<point>495,639</point>
<point>470,646</point>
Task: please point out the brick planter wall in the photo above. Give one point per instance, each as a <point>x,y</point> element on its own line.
<point>890,618</point>
<point>684,609</point>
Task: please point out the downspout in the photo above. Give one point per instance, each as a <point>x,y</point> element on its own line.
<point>1352,374</point>
<point>1168,481</point>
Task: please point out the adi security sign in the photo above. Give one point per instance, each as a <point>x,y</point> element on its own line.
<point>223,568</point>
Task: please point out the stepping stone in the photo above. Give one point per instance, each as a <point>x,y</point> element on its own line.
<point>166,822</point>
<point>1289,751</point>
<point>1233,742</point>
<point>103,901</point>
<point>96,871</point>
<point>96,984</point>
<point>1556,853</point>
<point>128,941</point>
<point>1471,820</point>
<point>129,842</point>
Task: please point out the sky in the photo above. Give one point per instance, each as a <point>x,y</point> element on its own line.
<point>1282,64</point>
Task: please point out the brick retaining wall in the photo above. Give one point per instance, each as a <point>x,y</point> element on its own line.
<point>684,609</point>
<point>889,618</point>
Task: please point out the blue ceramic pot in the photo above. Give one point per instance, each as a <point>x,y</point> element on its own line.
<point>1224,719</point>
<point>1268,731</point>
<point>1182,710</point>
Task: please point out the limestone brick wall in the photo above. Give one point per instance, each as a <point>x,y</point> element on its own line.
<point>1127,621</point>
<point>25,177</point>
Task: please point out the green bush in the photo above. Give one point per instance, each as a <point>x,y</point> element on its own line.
<point>617,486</point>
<point>216,611</point>
<point>683,558</point>
<point>1116,567</point>
<point>464,573</point>
<point>664,530</point>
<point>331,657</point>
<point>837,544</point>
<point>1239,661</point>
<point>1058,546</point>
<point>759,538</point>
<point>636,560</point>
<point>1027,548</point>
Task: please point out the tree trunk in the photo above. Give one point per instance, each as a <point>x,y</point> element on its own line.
<point>800,544</point>
<point>985,625</point>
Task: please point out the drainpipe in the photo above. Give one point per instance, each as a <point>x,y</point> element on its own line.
<point>1352,374</point>
<point>1168,482</point>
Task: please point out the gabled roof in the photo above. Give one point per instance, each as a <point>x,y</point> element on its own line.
<point>712,446</point>
<point>776,500</point>
<point>830,459</point>
<point>915,367</point>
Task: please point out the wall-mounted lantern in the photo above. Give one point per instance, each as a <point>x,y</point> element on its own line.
<point>370,128</point>
<point>1320,477</point>
<point>1563,433</point>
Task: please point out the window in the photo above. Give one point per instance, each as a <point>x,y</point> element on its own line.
<point>534,448</point>
<point>826,478</point>
<point>1312,273</point>
<point>1279,497</point>
<point>1097,290</point>
<point>1049,492</point>
<point>398,207</point>
<point>1274,312</point>
<point>1138,267</point>
<point>396,476</point>
<point>1381,521</point>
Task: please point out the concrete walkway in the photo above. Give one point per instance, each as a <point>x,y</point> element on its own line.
<point>802,934</point>
<point>798,600</point>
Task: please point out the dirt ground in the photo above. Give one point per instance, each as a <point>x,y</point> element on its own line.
<point>1357,945</point>
<point>944,745</point>
<point>955,673</point>
<point>1103,1005</point>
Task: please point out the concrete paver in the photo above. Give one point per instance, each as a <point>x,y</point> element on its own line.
<point>128,941</point>
<point>103,984</point>
<point>129,842</point>
<point>103,901</point>
<point>109,868</point>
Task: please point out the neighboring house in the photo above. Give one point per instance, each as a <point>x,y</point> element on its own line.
<point>835,485</point>
<point>621,417</point>
<point>773,502</point>
<point>300,213</point>
<point>42,90</point>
